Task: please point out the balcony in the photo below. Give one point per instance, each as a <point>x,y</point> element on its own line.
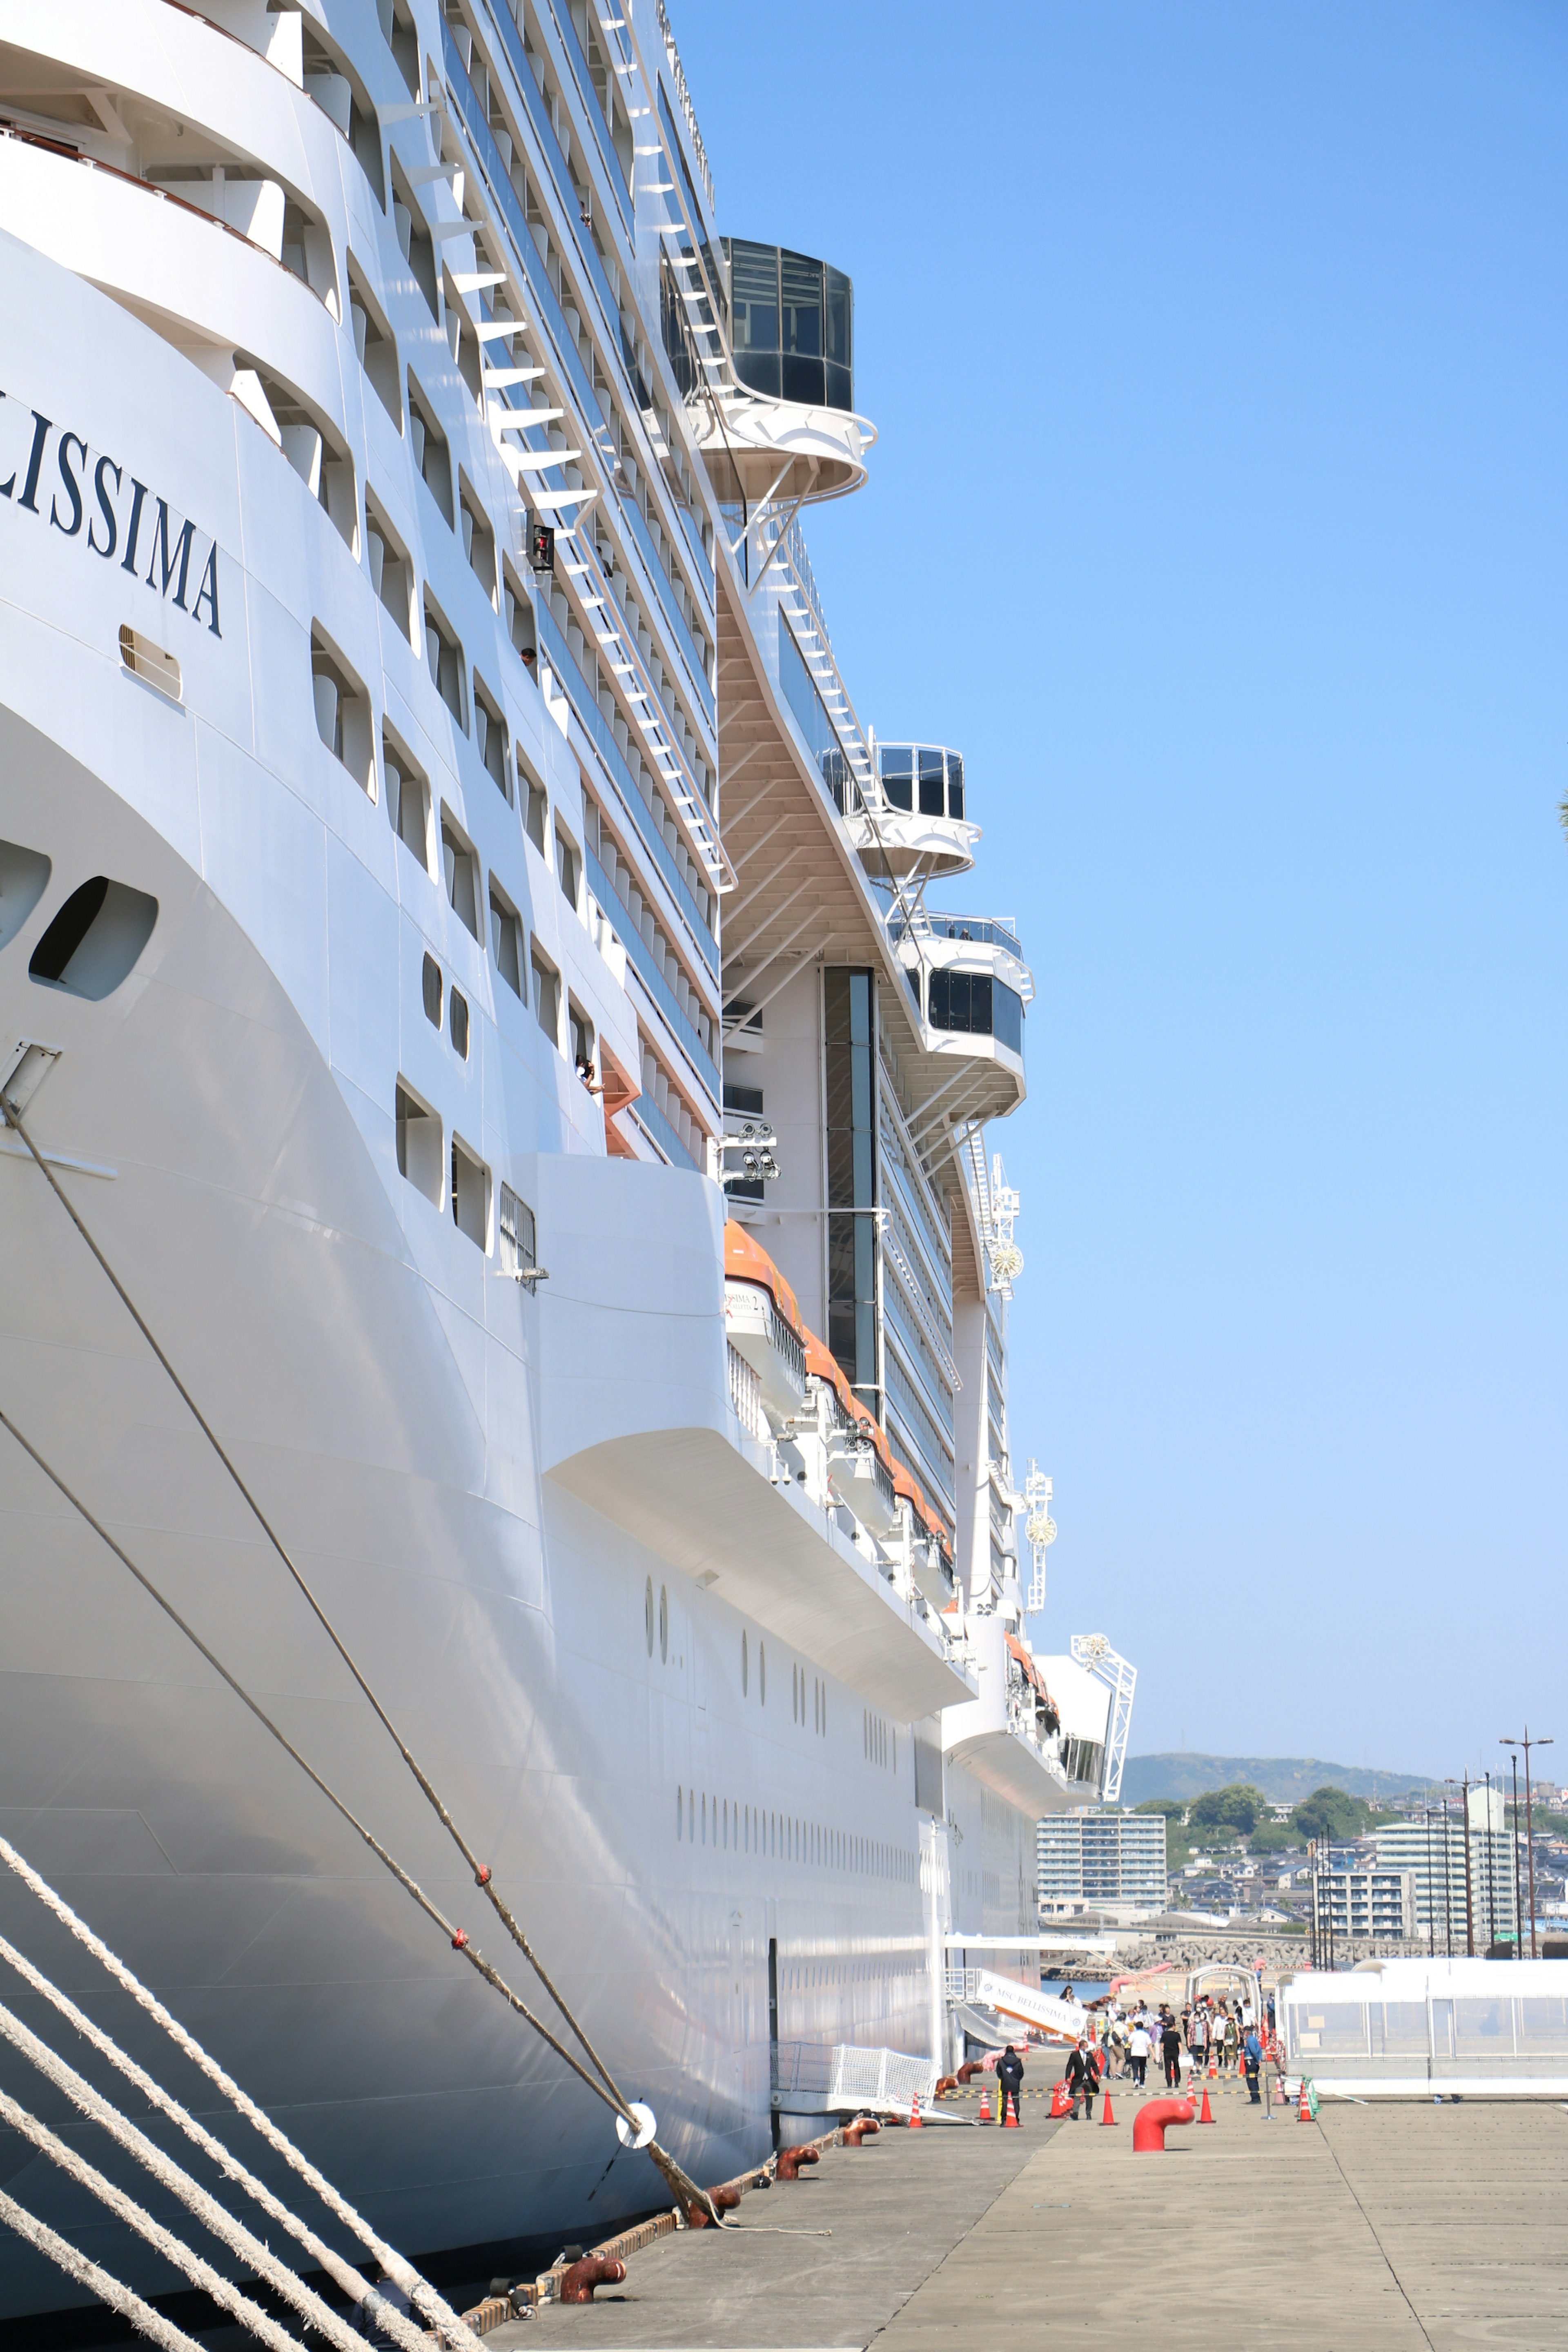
<point>789,427</point>
<point>1008,1737</point>
<point>674,1403</point>
<point>911,825</point>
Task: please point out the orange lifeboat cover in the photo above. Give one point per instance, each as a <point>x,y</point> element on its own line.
<point>746,1260</point>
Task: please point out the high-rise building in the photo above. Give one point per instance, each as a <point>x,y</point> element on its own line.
<point>1370,1902</point>
<point>1092,1858</point>
<point>1431,1847</point>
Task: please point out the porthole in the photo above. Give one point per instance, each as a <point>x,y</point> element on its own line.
<point>648,1615</point>
<point>664,1624</point>
<point>743,1665</point>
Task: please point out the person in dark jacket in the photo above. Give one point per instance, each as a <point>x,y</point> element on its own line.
<point>1083,2079</point>
<point>368,2322</point>
<point>1171,2049</point>
<point>1009,2082</point>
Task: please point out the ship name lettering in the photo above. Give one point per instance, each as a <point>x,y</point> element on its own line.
<point>175,539</point>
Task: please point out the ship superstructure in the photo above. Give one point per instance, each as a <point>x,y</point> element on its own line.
<point>472,968</point>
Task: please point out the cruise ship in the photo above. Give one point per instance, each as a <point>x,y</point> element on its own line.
<point>479,982</point>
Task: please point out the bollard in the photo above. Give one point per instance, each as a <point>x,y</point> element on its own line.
<point>970,2068</point>
<point>792,2158</point>
<point>726,2199</point>
<point>948,2083</point>
<point>577,2284</point>
<point>1149,2125</point>
<point>855,2133</point>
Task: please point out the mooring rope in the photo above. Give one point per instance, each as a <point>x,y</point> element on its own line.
<point>343,2274</point>
<point>125,2209</point>
<point>397,2267</point>
<point>684,2188</point>
<point>100,2282</point>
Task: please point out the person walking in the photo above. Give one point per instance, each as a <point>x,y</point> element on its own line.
<point>1171,2048</point>
<point>1083,2079</point>
<point>1139,2053</point>
<point>1252,2060</point>
<point>1009,2082</point>
<point>1197,2036</point>
<point>1232,2042</point>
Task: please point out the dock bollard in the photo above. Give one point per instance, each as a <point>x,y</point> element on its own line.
<point>577,2284</point>
<point>698,2217</point>
<point>855,2132</point>
<point>1149,2125</point>
<point>792,2158</point>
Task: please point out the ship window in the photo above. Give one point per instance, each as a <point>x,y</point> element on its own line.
<point>398,25</point>
<point>567,866</point>
<point>537,812</point>
<point>506,940</point>
<point>416,245</point>
<point>479,539</point>
<point>376,344</point>
<point>519,1247</point>
<point>470,1195</point>
<point>489,734</point>
<point>690,1815</point>
<point>460,867</point>
<point>546,996</point>
<point>648,1619</point>
<point>458,1022</point>
<point>94,941</point>
<point>391,572</point>
<point>955,784</point>
<point>24,878</point>
<point>705,1817</point>
<point>418,1144</point>
<point>344,719</point>
<point>432,988</point>
<point>408,799</point>
<point>432,458</point>
<point>664,1624</point>
<point>444,657</point>
<point>149,662</point>
<point>933,799</point>
<point>897,776</point>
<point>517,611</point>
<point>761,1674</point>
<point>680,1801</point>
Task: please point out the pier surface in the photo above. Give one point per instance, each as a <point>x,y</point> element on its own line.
<point>1406,2227</point>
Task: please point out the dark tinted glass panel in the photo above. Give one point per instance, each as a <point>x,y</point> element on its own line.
<point>898,778</point>
<point>980,988</point>
<point>932,796</point>
<point>840,387</point>
<point>840,319</point>
<point>1009,1018</point>
<point>803,380</point>
<point>760,371</point>
<point>955,784</point>
<point>754,297</point>
<point>802,282</point>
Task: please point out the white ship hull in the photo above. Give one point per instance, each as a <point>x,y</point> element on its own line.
<point>399,1410</point>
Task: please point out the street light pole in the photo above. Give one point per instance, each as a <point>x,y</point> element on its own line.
<point>1431,1933</point>
<point>1470,1896</point>
<point>1527,1744</point>
<point>1448,1890</point>
<point>1518,1892</point>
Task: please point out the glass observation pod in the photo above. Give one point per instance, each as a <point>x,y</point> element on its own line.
<point>968,976</point>
<point>915,828</point>
<point>790,430</point>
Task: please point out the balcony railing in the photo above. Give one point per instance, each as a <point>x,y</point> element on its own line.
<point>746,1396</point>
<point>985,931</point>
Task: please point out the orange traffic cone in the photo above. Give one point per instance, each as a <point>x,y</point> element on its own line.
<point>1010,2112</point>
<point>1107,2117</point>
<point>1214,2071</point>
<point>1205,2113</point>
<point>1304,2112</point>
<point>915,2123</point>
<point>985,2103</point>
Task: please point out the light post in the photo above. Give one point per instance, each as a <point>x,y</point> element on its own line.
<point>1527,1744</point>
<point>1431,1932</point>
<point>1518,1892</point>
<point>1469,1893</point>
<point>1448,1890</point>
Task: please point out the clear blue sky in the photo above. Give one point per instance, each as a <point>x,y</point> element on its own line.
<point>1219,357</point>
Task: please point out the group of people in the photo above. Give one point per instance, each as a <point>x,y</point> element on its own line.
<point>1123,2038</point>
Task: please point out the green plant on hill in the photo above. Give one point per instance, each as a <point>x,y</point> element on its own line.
<point>1330,1813</point>
<point>1273,1837</point>
<point>1238,1807</point>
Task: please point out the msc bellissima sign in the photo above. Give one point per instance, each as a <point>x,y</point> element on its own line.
<point>67,486</point>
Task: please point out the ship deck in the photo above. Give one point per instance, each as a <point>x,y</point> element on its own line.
<point>1397,2227</point>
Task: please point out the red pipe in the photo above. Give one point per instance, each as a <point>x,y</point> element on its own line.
<point>792,2158</point>
<point>1150,2123</point>
<point>577,2284</point>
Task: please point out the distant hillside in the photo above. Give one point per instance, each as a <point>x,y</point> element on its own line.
<point>1284,1780</point>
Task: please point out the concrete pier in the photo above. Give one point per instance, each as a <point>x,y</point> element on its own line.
<point>1406,2228</point>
